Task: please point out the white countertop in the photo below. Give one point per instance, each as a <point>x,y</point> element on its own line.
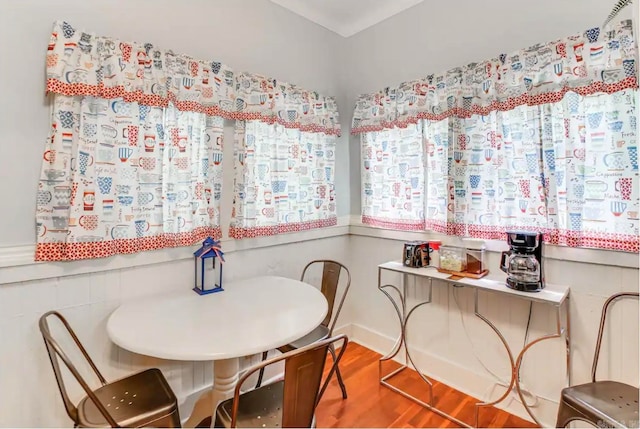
<point>248,317</point>
<point>551,294</point>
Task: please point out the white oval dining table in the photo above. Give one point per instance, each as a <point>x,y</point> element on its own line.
<point>248,317</point>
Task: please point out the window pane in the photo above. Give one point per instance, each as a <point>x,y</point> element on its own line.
<point>122,177</point>
<point>568,169</point>
<point>393,178</point>
<point>591,162</point>
<point>284,180</point>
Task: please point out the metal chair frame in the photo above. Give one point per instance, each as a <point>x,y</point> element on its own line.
<point>329,322</point>
<point>55,351</point>
<point>326,343</point>
<point>563,418</point>
<point>332,315</point>
<point>603,317</point>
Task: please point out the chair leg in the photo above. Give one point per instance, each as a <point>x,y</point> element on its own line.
<point>261,374</point>
<point>332,350</point>
<point>338,375</point>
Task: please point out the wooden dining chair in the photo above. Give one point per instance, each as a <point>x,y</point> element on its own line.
<point>331,272</point>
<point>142,399</point>
<point>601,403</point>
<point>287,403</point>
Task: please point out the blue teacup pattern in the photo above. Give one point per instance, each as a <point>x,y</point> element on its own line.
<point>263,98</point>
<point>542,139</point>
<point>138,71</point>
<point>589,62</point>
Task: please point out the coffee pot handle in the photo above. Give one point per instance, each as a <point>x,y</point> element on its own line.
<point>503,261</point>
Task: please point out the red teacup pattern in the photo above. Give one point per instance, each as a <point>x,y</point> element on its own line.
<point>624,186</point>
<point>582,190</point>
<point>139,72</point>
<point>151,120</point>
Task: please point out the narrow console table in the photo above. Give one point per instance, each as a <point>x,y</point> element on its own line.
<point>554,295</point>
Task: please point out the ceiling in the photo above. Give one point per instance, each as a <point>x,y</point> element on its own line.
<point>346,17</point>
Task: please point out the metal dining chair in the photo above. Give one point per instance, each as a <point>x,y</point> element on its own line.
<point>331,272</point>
<point>287,403</point>
<point>142,399</point>
<point>602,403</point>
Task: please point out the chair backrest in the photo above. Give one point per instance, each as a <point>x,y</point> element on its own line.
<point>331,271</point>
<point>603,318</point>
<point>55,351</point>
<point>302,376</point>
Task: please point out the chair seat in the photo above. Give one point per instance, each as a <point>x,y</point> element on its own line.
<point>610,402</point>
<point>261,407</point>
<point>318,334</point>
<point>142,399</point>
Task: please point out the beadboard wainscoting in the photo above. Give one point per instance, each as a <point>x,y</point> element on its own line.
<point>88,298</point>
<point>450,344</point>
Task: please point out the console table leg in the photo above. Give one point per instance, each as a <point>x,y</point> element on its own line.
<point>400,341</point>
<point>509,353</point>
<point>567,337</point>
<point>560,330</point>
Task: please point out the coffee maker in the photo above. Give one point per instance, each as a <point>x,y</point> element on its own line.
<point>523,262</point>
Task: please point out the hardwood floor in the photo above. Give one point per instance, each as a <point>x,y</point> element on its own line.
<point>370,404</point>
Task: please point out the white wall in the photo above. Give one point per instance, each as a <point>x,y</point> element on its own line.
<point>88,300</point>
<point>445,351</point>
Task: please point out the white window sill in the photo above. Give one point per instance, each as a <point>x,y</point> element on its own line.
<point>562,253</point>
<point>17,264</point>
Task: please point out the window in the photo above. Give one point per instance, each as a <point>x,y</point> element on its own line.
<point>393,178</point>
<point>133,161</point>
<point>284,180</point>
<point>543,139</point>
<point>134,158</point>
<point>284,152</point>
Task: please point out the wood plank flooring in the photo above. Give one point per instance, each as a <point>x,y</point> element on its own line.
<point>370,404</point>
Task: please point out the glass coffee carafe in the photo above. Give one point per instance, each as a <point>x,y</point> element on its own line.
<point>523,268</point>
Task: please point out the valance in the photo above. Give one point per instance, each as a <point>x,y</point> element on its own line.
<point>590,62</point>
<point>271,101</point>
<point>80,63</point>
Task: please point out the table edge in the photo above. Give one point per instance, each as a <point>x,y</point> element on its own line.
<point>209,357</point>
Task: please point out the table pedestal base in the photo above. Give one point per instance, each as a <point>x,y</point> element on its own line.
<point>225,378</point>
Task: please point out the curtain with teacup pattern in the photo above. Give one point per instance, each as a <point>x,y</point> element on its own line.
<point>123,177</point>
<point>393,178</point>
<point>544,139</point>
<point>284,180</point>
<point>284,152</point>
<point>133,161</point>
